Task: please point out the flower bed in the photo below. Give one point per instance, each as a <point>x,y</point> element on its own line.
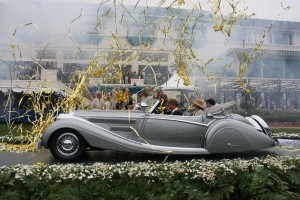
<point>267,178</point>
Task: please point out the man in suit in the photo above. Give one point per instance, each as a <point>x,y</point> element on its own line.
<point>173,107</point>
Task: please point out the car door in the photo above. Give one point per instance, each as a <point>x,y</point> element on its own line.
<point>174,130</point>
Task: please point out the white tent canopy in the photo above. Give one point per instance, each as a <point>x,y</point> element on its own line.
<point>176,83</point>
<point>176,89</point>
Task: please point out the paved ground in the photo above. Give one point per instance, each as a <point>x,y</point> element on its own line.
<point>287,147</point>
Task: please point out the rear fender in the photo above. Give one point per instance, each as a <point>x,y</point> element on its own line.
<point>228,136</point>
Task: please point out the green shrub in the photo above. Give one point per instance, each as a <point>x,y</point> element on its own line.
<point>267,178</point>
<point>272,115</point>
<point>286,130</point>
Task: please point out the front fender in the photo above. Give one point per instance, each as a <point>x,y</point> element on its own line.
<point>228,136</point>
<point>75,123</point>
<point>94,135</point>
<point>100,137</point>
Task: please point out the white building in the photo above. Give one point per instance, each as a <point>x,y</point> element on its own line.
<point>63,37</point>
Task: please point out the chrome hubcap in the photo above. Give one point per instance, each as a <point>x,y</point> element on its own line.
<point>67,144</point>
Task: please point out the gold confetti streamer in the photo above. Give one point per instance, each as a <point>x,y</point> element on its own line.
<point>110,65</point>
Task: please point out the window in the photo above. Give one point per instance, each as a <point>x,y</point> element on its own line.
<point>66,75</point>
<point>118,56</point>
<point>292,69</point>
<point>283,38</point>
<point>142,26</point>
<point>46,54</point>
<point>273,68</point>
<point>160,75</point>
<point>254,69</point>
<point>153,57</point>
<point>21,70</point>
<point>141,29</point>
<point>78,55</point>
<point>49,65</point>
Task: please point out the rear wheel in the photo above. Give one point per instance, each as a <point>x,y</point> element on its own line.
<point>67,145</point>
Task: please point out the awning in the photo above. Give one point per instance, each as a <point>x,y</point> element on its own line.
<point>31,90</point>
<point>256,84</point>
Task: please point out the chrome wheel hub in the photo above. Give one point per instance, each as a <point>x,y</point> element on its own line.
<point>67,144</point>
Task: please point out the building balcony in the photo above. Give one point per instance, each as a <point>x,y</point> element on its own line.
<point>140,41</point>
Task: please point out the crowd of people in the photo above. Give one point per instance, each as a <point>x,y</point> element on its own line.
<point>124,100</point>
<point>117,100</point>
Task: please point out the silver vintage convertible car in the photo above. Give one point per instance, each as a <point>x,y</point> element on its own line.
<point>215,131</point>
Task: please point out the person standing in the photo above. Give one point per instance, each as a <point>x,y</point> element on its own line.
<point>126,77</point>
<point>107,104</point>
<point>129,76</point>
<point>158,95</point>
<point>98,101</point>
<point>143,75</point>
<point>130,102</point>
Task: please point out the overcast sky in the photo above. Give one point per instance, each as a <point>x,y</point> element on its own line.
<point>265,9</point>
<point>270,9</point>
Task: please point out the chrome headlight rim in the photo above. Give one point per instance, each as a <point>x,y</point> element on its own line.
<point>256,125</point>
<point>261,121</point>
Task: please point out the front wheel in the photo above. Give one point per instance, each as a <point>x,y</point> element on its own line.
<point>67,145</point>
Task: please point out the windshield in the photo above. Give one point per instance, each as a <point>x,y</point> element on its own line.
<point>153,107</point>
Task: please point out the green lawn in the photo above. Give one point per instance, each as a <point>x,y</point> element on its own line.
<point>5,130</point>
<point>295,130</point>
